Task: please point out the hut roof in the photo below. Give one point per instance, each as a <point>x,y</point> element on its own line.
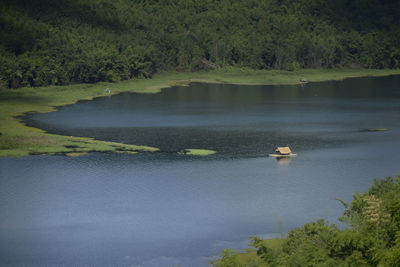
<point>283,150</point>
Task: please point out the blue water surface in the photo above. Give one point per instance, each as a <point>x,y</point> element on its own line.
<point>165,209</point>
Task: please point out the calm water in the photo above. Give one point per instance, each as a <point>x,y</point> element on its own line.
<point>164,209</point>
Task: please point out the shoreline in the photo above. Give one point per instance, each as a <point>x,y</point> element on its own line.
<point>18,140</point>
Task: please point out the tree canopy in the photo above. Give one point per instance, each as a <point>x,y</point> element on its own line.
<point>58,42</point>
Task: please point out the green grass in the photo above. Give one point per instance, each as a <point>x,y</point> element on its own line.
<point>18,140</point>
<point>249,257</point>
<point>275,77</point>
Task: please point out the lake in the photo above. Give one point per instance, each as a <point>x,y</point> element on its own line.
<point>166,209</point>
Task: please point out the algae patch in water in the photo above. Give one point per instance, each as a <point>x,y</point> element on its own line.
<point>196,152</point>
<point>76,154</point>
<point>125,152</point>
<point>376,129</point>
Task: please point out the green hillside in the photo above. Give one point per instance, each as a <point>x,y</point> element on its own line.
<point>54,42</point>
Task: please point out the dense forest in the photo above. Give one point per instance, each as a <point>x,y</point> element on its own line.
<point>371,239</point>
<point>59,42</point>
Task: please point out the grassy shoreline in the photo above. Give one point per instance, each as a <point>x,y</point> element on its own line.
<point>247,256</point>
<point>17,139</point>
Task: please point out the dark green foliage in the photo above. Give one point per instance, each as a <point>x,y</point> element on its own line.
<point>58,42</point>
<point>373,238</point>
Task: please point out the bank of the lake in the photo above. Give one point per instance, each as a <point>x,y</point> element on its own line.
<point>16,139</point>
<point>248,256</point>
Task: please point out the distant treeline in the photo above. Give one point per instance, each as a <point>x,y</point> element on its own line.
<point>46,42</point>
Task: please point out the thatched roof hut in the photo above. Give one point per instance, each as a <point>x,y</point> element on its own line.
<point>283,150</point>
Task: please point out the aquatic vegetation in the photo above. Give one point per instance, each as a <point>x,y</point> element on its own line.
<point>76,154</point>
<point>125,152</point>
<point>197,152</point>
<point>376,129</point>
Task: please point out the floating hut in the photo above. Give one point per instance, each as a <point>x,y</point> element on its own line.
<point>282,152</point>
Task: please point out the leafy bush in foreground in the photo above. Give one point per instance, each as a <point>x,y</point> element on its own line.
<point>372,238</point>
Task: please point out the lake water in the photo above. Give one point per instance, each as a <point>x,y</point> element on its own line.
<point>165,209</point>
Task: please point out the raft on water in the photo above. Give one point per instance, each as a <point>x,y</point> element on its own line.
<point>375,129</point>
<point>282,152</point>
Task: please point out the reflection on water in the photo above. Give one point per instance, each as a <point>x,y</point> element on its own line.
<point>283,160</point>
<point>165,209</point>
